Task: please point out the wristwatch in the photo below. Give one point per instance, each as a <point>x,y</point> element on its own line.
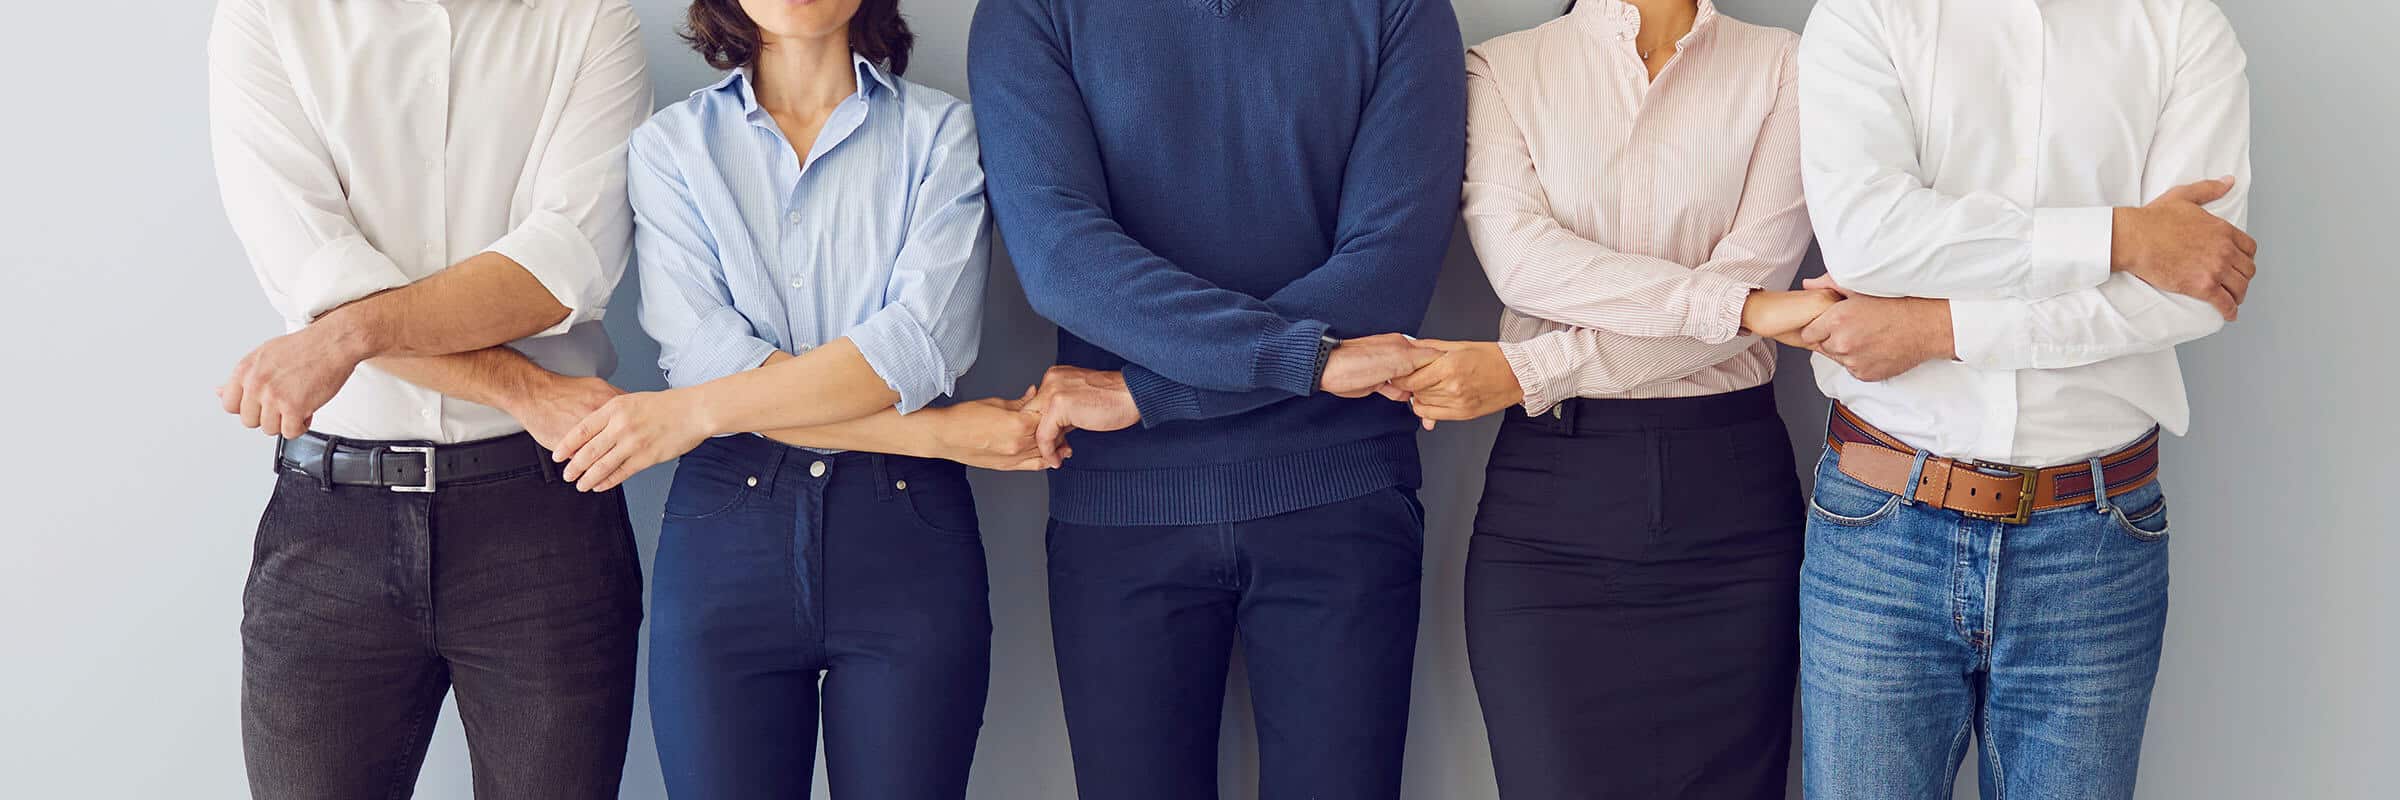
<point>1325,346</point>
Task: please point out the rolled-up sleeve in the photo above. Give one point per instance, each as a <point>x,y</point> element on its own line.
<point>281,193</point>
<point>686,305</point>
<point>927,333</point>
<point>574,231</point>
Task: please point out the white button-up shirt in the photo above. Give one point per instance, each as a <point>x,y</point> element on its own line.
<point>362,145</point>
<point>1973,150</point>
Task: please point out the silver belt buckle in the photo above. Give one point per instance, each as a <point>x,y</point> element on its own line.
<point>427,453</point>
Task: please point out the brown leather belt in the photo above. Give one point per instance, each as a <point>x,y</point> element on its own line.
<point>1982,489</point>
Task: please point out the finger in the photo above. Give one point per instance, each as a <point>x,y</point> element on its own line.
<point>2201,192</point>
<point>1024,400</point>
<point>295,426</point>
<point>1813,337</point>
<point>270,419</point>
<point>579,436</point>
<point>1824,282</point>
<point>591,452</point>
<point>602,468</point>
<point>1046,438</point>
<point>2248,245</point>
<point>229,395</point>
<point>2226,305</point>
<point>1444,345</point>
<point>249,409</point>
<point>624,472</point>
<point>1394,393</point>
<point>1420,412</point>
<point>1424,378</point>
<point>2239,285</point>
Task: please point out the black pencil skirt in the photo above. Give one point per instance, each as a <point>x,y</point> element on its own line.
<point>1632,599</point>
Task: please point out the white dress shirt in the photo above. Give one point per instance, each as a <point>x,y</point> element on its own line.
<point>362,145</point>
<point>1973,150</point>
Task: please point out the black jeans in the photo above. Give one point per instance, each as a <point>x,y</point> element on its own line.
<point>365,606</point>
<point>1632,600</point>
<point>1324,601</point>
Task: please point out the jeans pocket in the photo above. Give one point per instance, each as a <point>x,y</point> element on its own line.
<point>943,504</point>
<point>2148,524</point>
<point>707,487</point>
<point>1841,500</point>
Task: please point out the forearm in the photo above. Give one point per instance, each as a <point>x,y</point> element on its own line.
<point>1583,362</point>
<point>886,431</point>
<point>481,302</point>
<point>827,385</point>
<point>499,377</point>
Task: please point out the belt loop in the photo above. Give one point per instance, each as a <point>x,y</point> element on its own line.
<point>1916,478</point>
<point>1566,416</point>
<point>551,470</point>
<point>883,476</point>
<point>774,466</point>
<point>325,463</point>
<point>2099,487</point>
<point>280,443</point>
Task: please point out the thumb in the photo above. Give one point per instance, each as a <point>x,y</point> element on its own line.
<point>2200,192</point>
<point>1824,282</point>
<point>1444,345</point>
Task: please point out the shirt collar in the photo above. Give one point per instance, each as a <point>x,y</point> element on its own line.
<point>1621,20</point>
<point>871,77</point>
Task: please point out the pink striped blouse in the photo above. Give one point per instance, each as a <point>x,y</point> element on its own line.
<point>1624,221</point>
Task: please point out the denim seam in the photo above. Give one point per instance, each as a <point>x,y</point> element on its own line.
<point>1958,747</point>
<point>1991,752</point>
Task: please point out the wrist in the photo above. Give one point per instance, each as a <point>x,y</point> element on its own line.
<point>925,439</point>
<point>699,405</point>
<point>1941,339</point>
<point>1754,304</point>
<point>348,333</point>
<point>2122,244</point>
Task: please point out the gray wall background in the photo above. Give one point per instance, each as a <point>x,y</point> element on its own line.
<point>130,500</point>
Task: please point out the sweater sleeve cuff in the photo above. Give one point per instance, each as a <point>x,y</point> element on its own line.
<point>1287,359</point>
<point>1716,312</point>
<point>1160,400</point>
<point>1539,394</point>
<point>2070,249</point>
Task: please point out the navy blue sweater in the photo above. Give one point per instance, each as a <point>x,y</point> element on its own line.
<point>1194,190</point>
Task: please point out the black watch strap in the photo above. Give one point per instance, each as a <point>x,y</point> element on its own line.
<point>1325,346</point>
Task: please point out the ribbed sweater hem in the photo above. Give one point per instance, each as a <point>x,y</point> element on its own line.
<point>1245,490</point>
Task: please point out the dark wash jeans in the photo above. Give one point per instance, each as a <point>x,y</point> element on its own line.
<point>1325,602</point>
<point>364,606</point>
<point>791,583</point>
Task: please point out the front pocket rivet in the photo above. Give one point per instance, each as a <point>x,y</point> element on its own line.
<point>816,470</point>
<point>900,485</point>
<point>753,481</point>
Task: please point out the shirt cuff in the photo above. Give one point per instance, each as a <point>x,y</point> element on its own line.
<point>2070,249</point>
<point>1287,359</point>
<point>1991,334</point>
<point>904,354</point>
<point>341,271</point>
<point>720,344</point>
<point>1540,395</point>
<point>1160,400</point>
<point>558,254</point>
<point>1716,312</point>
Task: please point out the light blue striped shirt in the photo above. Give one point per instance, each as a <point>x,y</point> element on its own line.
<point>880,234</point>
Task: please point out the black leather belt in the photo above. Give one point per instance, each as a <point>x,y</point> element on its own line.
<point>409,466</point>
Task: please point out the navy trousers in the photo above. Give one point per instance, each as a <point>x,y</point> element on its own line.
<point>1325,603</point>
<point>788,583</point>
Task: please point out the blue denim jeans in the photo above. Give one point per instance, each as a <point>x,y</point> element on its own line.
<point>1919,626</point>
<point>792,585</point>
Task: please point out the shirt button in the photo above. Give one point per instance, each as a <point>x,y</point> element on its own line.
<point>793,217</point>
<point>426,413</point>
<point>816,470</point>
<point>798,282</point>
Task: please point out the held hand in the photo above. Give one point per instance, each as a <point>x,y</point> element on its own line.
<point>1074,398</point>
<point>551,408</point>
<point>1469,380</point>
<point>280,385</point>
<point>1781,315</point>
<point>628,434</point>
<point>993,433</point>
<point>1362,366</point>
<point>1877,338</point>
<point>2177,246</point>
